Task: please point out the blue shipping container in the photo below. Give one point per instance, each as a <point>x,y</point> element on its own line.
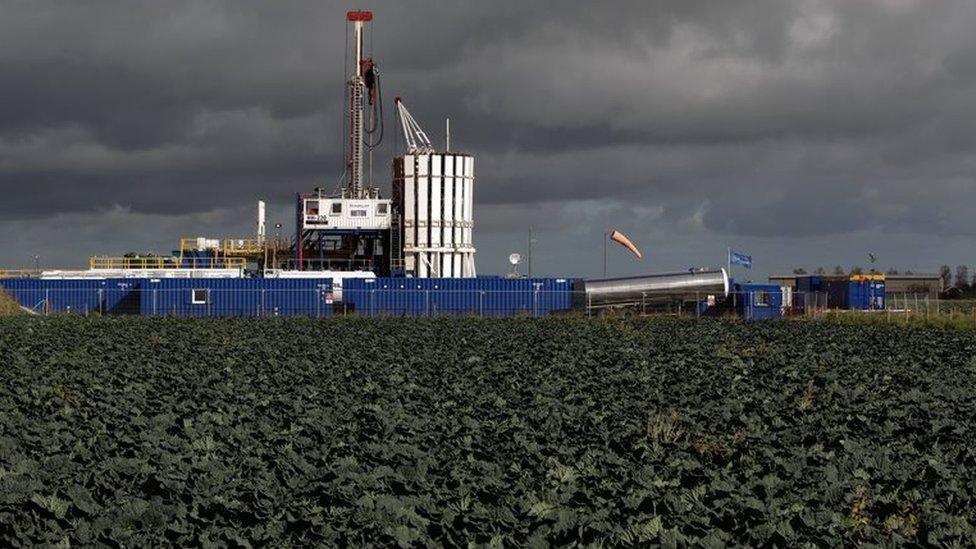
<point>294,297</point>
<point>859,293</point>
<point>457,296</point>
<point>82,296</point>
<point>807,290</point>
<point>198,297</point>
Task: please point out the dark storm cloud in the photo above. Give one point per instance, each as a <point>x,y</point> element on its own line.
<point>746,119</point>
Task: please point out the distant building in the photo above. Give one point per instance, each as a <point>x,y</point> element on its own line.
<point>921,284</point>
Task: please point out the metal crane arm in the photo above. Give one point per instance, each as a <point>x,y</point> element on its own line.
<point>414,137</point>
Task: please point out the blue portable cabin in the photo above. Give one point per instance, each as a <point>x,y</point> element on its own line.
<point>78,296</point>
<point>201,297</point>
<point>481,296</point>
<point>759,301</point>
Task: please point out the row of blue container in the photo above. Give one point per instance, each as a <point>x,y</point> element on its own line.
<point>175,296</point>
<point>852,292</point>
<point>294,297</point>
<point>855,292</point>
<point>458,296</point>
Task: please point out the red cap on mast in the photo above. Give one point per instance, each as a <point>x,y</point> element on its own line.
<point>359,15</point>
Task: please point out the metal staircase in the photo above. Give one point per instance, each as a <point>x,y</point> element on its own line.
<point>397,264</point>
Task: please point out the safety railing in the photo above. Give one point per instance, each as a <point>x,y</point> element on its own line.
<point>243,246</point>
<point>203,301</point>
<point>128,263</point>
<point>234,246</point>
<point>316,264</point>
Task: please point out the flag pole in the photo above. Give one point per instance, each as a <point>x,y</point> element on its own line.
<point>605,237</point>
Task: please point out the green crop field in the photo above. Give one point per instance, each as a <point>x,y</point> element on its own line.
<point>149,432</point>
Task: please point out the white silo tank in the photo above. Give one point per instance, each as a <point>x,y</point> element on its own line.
<point>433,194</point>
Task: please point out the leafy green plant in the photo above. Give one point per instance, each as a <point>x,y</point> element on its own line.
<point>490,432</point>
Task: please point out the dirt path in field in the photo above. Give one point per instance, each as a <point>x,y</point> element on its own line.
<point>8,306</point>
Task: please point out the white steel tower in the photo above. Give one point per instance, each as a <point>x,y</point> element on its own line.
<point>433,195</point>
<point>363,87</point>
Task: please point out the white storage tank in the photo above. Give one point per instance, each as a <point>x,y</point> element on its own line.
<point>433,195</point>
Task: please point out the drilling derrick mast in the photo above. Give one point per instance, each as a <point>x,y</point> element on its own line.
<point>349,229</point>
<point>363,104</point>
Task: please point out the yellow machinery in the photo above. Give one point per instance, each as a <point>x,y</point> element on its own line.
<point>19,273</point>
<point>243,249</point>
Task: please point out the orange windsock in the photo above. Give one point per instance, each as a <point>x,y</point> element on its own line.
<point>621,238</point>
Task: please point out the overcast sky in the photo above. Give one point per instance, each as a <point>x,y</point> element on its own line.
<point>807,133</point>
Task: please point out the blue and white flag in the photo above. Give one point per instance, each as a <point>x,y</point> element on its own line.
<point>735,258</point>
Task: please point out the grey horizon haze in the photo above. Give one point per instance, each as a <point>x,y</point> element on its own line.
<point>807,133</point>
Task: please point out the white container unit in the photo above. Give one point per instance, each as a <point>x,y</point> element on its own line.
<point>336,276</point>
<point>434,194</point>
<point>346,213</point>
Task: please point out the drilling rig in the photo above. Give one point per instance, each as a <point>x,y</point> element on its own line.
<point>348,229</point>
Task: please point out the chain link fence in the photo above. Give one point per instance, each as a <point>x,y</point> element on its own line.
<point>749,305</point>
<point>318,302</point>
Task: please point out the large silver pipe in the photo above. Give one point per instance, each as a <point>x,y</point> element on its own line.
<point>685,285</point>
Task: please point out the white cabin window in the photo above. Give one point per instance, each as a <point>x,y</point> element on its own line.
<point>312,207</point>
<point>336,208</point>
<point>200,296</point>
<point>381,209</point>
<point>357,213</point>
<point>760,299</point>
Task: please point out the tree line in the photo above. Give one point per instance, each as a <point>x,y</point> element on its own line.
<point>838,270</point>
<point>962,281</point>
